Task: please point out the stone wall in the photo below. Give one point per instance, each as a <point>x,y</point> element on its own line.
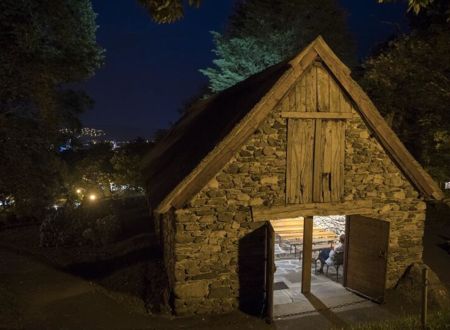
<point>371,175</point>
<point>210,231</point>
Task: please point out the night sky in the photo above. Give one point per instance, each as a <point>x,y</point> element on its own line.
<point>151,69</point>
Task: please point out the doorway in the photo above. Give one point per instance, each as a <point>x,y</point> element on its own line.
<point>298,244</point>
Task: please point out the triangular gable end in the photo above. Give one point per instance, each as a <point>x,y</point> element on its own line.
<point>224,151</point>
<point>373,119</point>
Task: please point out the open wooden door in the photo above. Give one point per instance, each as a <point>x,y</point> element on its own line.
<point>366,256</point>
<point>270,270</point>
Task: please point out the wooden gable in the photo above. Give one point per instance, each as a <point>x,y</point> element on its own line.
<point>316,109</point>
<point>324,124</point>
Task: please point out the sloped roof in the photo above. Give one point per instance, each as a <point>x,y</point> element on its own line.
<point>206,137</point>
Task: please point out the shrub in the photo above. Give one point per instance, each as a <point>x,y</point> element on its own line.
<point>86,225</point>
<point>54,230</point>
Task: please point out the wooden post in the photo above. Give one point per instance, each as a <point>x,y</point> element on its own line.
<point>307,254</point>
<point>424,297</point>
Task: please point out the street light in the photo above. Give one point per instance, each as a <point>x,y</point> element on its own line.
<point>92,197</point>
<point>78,191</point>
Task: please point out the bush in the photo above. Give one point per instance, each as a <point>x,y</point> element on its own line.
<point>86,225</point>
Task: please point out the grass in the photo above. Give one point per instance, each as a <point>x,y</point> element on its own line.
<point>436,320</point>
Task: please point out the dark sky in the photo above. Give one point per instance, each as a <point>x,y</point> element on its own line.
<point>152,69</point>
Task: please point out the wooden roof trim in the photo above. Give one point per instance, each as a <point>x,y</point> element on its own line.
<point>225,150</point>
<point>388,139</point>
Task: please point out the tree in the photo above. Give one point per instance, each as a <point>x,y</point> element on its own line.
<point>126,163</point>
<point>89,169</point>
<point>258,36</point>
<point>414,5</point>
<point>29,178</point>
<point>167,11</point>
<point>409,80</point>
<point>45,45</point>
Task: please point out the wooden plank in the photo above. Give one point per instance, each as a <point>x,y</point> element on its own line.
<point>337,165</point>
<point>328,129</point>
<point>292,100</point>
<point>344,102</point>
<point>311,89</point>
<point>299,161</point>
<point>367,247</point>
<point>270,269</point>
<point>306,168</point>
<point>263,213</point>
<point>318,159</point>
<point>316,115</point>
<point>307,254</point>
<point>335,95</point>
<point>347,235</point>
<point>323,89</point>
<point>301,94</point>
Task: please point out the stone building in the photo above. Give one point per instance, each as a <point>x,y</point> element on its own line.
<point>299,139</point>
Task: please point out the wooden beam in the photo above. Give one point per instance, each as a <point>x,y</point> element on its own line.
<point>307,254</point>
<point>317,115</point>
<point>264,213</point>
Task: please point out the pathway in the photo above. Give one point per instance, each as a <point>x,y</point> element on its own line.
<point>36,296</point>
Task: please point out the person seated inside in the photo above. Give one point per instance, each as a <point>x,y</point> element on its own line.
<point>326,256</point>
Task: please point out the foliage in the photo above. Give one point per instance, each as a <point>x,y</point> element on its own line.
<point>89,169</point>
<point>101,170</point>
<point>126,164</point>
<point>167,11</point>
<point>30,169</point>
<point>414,5</point>
<point>86,225</point>
<point>95,223</point>
<point>410,83</point>
<point>436,14</point>
<point>44,46</point>
<point>258,36</point>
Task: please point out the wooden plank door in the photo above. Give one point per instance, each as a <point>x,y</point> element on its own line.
<point>367,242</point>
<point>316,111</point>
<point>270,269</point>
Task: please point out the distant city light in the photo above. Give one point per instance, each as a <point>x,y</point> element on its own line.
<point>92,197</point>
<point>78,191</point>
<point>55,207</point>
<point>447,185</point>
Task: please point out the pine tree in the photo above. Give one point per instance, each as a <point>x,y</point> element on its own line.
<point>261,33</point>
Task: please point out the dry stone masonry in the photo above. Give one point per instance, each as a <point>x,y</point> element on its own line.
<point>208,230</point>
<point>298,136</point>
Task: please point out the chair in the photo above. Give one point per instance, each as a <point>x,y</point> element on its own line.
<point>338,261</point>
